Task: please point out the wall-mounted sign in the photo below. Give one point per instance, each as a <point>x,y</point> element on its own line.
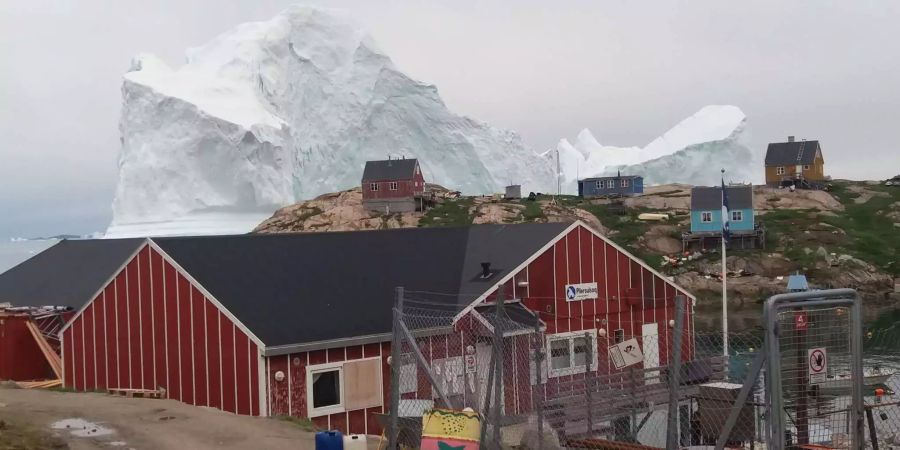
<point>626,353</point>
<point>818,365</point>
<point>582,291</point>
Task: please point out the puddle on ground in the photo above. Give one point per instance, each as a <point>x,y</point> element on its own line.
<point>81,428</point>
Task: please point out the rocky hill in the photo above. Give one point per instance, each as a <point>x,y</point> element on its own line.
<point>849,237</point>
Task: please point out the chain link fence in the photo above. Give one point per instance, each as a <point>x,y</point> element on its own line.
<point>641,386</point>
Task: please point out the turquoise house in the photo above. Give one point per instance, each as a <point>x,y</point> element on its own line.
<point>706,209</point>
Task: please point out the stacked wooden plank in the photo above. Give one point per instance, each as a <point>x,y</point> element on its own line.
<point>40,384</point>
<point>49,352</point>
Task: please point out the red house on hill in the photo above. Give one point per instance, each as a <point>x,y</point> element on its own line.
<point>393,185</point>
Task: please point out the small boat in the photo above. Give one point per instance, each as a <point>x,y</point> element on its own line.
<point>871,378</point>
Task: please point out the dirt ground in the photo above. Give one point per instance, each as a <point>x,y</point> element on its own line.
<point>137,423</point>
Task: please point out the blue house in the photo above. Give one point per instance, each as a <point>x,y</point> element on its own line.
<point>706,219</point>
<point>706,209</point>
<point>619,185</point>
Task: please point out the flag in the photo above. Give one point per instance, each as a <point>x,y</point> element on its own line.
<point>726,230</point>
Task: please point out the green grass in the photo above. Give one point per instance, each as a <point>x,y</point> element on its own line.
<point>450,213</point>
<point>303,423</point>
<point>532,211</point>
<point>872,236</point>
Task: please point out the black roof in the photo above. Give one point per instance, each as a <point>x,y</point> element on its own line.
<point>66,274</point>
<point>710,198</point>
<point>791,153</point>
<point>390,169</point>
<point>312,287</point>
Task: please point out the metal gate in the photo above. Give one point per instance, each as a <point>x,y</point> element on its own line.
<point>814,369</point>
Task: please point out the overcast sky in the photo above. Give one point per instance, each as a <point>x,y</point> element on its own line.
<point>627,70</point>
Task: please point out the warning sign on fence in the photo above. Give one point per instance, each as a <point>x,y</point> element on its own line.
<point>626,353</point>
<point>818,365</point>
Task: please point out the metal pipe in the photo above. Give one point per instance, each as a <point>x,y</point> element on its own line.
<point>396,342</point>
<point>674,375</point>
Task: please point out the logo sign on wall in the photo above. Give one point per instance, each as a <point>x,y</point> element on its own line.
<point>818,365</point>
<point>582,291</point>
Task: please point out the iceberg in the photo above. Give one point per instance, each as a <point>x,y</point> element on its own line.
<point>273,112</point>
<point>692,152</point>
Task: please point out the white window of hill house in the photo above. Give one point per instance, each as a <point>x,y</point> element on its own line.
<point>779,170</point>
<point>625,183</point>
<point>706,216</point>
<point>343,386</point>
<point>393,186</point>
<point>611,184</point>
<point>599,184</point>
<point>737,216</point>
<point>373,186</point>
<point>570,352</point>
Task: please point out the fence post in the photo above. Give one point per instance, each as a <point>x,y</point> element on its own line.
<point>396,343</point>
<point>539,381</point>
<point>498,366</point>
<point>672,441</point>
<point>589,355</point>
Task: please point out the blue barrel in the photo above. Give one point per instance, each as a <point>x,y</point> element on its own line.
<point>329,440</point>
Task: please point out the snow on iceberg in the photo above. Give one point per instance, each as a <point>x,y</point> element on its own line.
<point>273,112</point>
<point>692,152</point>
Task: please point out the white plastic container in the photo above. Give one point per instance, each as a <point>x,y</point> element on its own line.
<point>355,442</point>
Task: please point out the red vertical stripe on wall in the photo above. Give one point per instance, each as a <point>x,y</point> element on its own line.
<point>228,368</point>
<point>199,346</point>
<point>242,380</point>
<point>159,318</point>
<point>112,362</point>
<point>186,340</point>
<point>120,340</point>
<point>90,382</point>
<point>100,327</point>
<point>173,372</point>
<point>279,395</point>
<point>253,354</point>
<point>213,348</point>
<point>78,356</point>
<point>561,307</point>
<point>134,322</point>
<point>147,320</point>
<point>298,385</point>
<point>68,359</point>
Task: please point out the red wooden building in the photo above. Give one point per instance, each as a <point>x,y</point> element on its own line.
<point>393,185</point>
<point>300,324</point>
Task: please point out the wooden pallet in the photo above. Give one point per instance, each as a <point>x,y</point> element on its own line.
<point>137,393</point>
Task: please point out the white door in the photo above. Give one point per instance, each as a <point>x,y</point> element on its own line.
<point>483,352</point>
<point>650,335</point>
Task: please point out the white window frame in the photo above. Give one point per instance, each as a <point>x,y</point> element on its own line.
<point>737,216</point>
<point>706,217</point>
<point>393,186</point>
<point>373,187</point>
<point>806,167</point>
<point>779,170</point>
<point>610,184</point>
<point>599,184</point>
<point>570,338</point>
<point>625,182</point>
<point>340,408</point>
<point>319,368</point>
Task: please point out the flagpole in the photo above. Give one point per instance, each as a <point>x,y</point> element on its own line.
<point>724,274</point>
